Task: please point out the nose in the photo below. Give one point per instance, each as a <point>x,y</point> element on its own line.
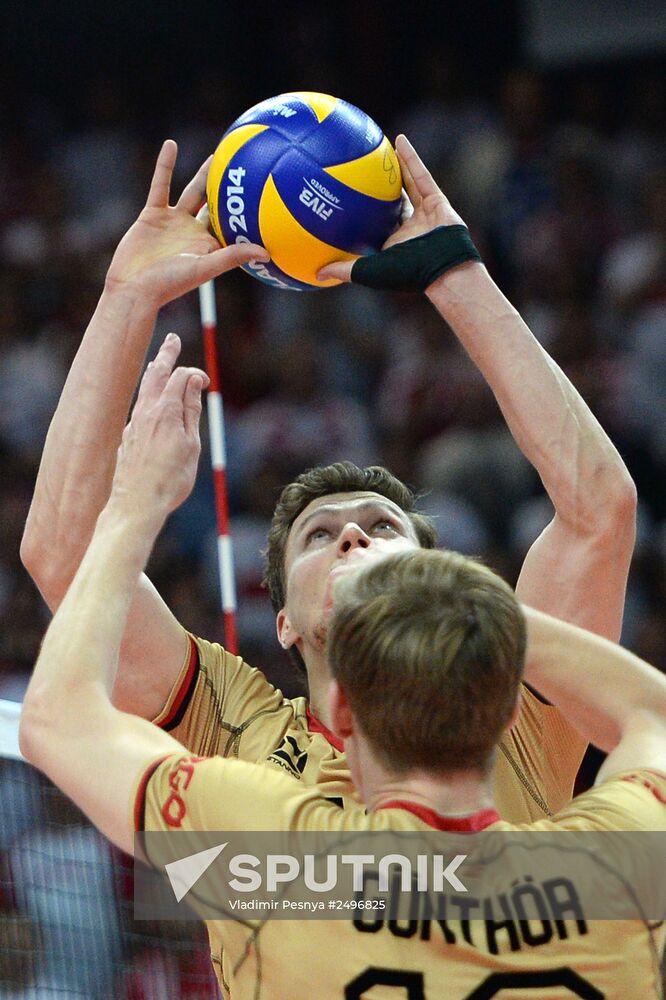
<point>352,537</point>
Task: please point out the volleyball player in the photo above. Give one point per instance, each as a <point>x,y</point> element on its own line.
<point>213,702</point>
<point>426,653</point>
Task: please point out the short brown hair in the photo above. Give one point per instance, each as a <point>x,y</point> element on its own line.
<point>341,477</point>
<point>429,648</point>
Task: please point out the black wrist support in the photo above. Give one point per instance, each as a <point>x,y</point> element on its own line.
<point>413,265</point>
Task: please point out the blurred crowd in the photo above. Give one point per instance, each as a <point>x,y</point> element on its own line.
<point>565,194</point>
<point>564,190</point>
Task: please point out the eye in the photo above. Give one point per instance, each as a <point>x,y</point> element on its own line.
<point>384,525</point>
<point>317,535</point>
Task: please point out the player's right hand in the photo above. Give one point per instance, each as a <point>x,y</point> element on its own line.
<point>425,208</point>
<point>159,452</point>
<point>168,251</point>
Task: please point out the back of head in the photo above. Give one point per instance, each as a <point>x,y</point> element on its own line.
<point>429,648</point>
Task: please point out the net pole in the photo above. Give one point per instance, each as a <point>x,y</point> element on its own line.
<point>218,454</point>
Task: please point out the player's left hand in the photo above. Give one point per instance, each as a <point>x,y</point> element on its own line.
<point>424,208</point>
<point>159,452</point>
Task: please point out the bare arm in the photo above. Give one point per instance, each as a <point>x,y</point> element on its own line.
<point>642,745</point>
<point>69,728</point>
<point>577,569</point>
<point>604,686</point>
<point>613,698</point>
<point>166,253</point>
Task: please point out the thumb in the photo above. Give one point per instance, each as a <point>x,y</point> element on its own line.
<point>340,270</point>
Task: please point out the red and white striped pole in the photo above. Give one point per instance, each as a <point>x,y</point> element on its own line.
<point>218,456</point>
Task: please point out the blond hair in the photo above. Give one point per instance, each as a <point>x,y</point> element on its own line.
<point>429,648</point>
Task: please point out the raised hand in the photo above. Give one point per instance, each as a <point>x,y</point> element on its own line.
<point>158,456</point>
<point>425,207</point>
<point>168,251</point>
<point>431,207</point>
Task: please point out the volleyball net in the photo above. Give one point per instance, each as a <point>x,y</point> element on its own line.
<point>67,930</point>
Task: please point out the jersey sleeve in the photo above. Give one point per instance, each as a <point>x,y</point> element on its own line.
<point>184,792</point>
<point>620,826</point>
<point>214,702</point>
<point>538,762</point>
<point>632,801</point>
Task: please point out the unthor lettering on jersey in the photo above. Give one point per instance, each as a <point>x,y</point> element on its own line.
<point>531,914</point>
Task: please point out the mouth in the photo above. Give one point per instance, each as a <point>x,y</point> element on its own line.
<point>333,576</point>
<point>327,605</point>
<point>352,565</point>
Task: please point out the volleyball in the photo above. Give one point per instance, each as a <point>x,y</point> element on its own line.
<point>309,177</point>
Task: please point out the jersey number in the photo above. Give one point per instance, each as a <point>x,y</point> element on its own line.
<point>412,983</point>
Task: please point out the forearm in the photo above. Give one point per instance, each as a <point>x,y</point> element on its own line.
<point>80,649</point>
<point>598,685</point>
<point>69,728</point>
<point>552,425</point>
<point>79,456</point>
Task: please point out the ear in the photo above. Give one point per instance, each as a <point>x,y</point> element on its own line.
<point>342,720</point>
<point>286,633</point>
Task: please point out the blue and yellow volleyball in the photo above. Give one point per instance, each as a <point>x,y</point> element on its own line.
<point>312,179</point>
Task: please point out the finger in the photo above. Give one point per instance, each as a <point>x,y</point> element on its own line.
<point>339,270</point>
<point>203,215</point>
<point>195,192</point>
<point>219,261</point>
<point>160,186</point>
<point>174,394</point>
<point>159,370</point>
<point>423,182</point>
<point>192,403</point>
<point>409,184</point>
<point>406,208</point>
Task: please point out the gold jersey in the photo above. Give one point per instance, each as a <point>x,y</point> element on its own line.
<point>420,959</point>
<point>221,706</point>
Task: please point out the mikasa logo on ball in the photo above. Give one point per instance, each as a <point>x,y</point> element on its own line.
<point>319,199</point>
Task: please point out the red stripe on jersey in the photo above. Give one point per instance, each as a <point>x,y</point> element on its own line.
<point>452,824</point>
<point>638,779</point>
<point>315,726</point>
<point>658,774</point>
<point>140,800</point>
<point>186,688</point>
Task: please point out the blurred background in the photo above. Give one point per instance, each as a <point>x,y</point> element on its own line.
<point>543,121</point>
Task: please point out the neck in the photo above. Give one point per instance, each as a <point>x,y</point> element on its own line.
<point>319,680</point>
<point>458,793</point>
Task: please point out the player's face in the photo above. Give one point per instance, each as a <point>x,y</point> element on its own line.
<point>334,535</point>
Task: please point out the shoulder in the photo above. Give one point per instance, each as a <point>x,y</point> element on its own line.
<point>633,800</point>
<point>231,673</point>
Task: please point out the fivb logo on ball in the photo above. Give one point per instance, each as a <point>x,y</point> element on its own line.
<point>311,178</point>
